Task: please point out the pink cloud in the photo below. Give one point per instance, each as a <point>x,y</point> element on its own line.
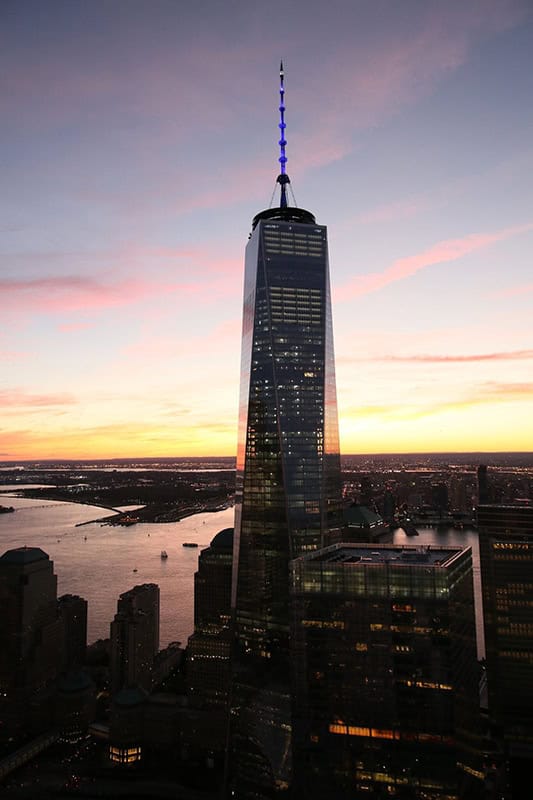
<point>442,252</point>
<point>376,79</point>
<point>69,293</point>
<point>19,397</point>
<point>75,326</point>
<point>509,390</point>
<point>76,293</point>
<point>373,80</point>
<point>13,355</point>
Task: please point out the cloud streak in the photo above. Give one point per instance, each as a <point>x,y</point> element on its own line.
<point>442,252</point>
<point>513,355</point>
<point>77,293</point>
<point>10,398</point>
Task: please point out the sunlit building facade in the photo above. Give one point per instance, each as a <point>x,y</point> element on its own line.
<point>385,675</point>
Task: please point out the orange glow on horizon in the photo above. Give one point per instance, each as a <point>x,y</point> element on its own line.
<point>366,431</point>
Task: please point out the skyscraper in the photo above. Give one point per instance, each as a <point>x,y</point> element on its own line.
<point>209,647</point>
<point>31,639</point>
<point>135,637</point>
<point>288,469</point>
<point>73,611</point>
<point>506,556</point>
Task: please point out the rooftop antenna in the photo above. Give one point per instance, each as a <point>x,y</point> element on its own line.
<point>284,211</point>
<point>283,179</point>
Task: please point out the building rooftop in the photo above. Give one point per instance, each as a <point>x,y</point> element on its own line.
<point>23,555</point>
<point>223,540</point>
<point>74,682</point>
<point>363,555</point>
<point>130,696</point>
<point>361,516</point>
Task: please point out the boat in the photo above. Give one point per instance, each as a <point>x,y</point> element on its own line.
<point>6,509</point>
<point>409,528</point>
<point>127,521</point>
<point>164,554</point>
<point>190,544</point>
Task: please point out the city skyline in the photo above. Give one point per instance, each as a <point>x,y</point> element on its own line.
<point>140,139</point>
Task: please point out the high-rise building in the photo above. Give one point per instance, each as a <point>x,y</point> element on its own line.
<point>73,613</point>
<point>31,638</point>
<point>385,700</point>
<point>208,649</point>
<point>482,484</point>
<point>135,637</point>
<point>30,632</point>
<point>288,494</point>
<point>506,557</point>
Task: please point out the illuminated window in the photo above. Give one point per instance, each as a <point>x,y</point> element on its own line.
<point>124,755</point>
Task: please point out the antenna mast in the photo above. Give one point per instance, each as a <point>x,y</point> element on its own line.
<point>283,179</point>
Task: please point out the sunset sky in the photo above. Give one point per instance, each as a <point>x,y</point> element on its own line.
<point>138,140</point>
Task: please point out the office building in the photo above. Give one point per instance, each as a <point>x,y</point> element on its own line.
<point>73,613</point>
<point>135,637</point>
<point>385,677</point>
<point>31,639</point>
<point>208,649</point>
<point>288,487</point>
<point>506,557</point>
<point>482,484</point>
<point>361,524</point>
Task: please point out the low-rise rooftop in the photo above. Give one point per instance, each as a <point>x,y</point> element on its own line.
<point>361,554</point>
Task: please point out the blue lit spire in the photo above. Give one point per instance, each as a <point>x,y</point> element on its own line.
<point>283,179</point>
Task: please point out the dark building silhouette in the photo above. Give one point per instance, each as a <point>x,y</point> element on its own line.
<point>389,506</point>
<point>482,484</point>
<point>31,640</point>
<point>135,637</point>
<point>73,613</point>
<point>361,524</point>
<point>385,673</point>
<point>506,556</point>
<point>74,704</point>
<point>288,487</point>
<point>208,650</point>
<point>366,494</point>
<point>439,497</point>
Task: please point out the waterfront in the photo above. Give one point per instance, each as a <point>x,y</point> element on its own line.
<point>97,561</point>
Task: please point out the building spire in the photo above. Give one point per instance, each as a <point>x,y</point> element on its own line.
<point>284,211</point>
<point>283,179</point>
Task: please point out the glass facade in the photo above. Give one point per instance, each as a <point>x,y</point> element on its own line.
<point>288,467</point>
<point>506,555</point>
<point>385,673</point>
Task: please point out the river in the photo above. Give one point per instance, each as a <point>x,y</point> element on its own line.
<point>99,562</point>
